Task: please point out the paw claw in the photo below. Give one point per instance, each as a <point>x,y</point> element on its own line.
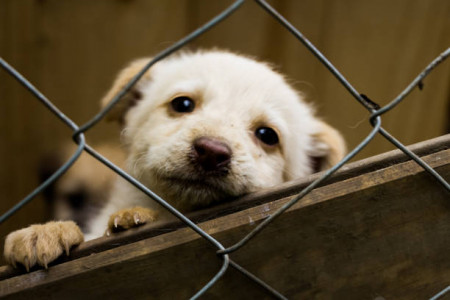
<point>45,262</point>
<point>136,219</point>
<point>41,244</point>
<point>26,263</point>
<point>129,218</point>
<point>116,222</point>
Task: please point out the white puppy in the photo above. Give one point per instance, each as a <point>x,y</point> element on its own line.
<point>200,128</point>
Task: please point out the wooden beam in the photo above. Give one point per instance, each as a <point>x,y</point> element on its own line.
<point>367,233</point>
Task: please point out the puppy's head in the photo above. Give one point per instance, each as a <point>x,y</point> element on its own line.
<point>204,126</point>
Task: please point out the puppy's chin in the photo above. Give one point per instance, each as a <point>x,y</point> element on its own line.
<point>187,187</point>
<point>190,194</point>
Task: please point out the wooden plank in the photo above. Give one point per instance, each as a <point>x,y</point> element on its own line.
<point>71,51</point>
<point>384,233</point>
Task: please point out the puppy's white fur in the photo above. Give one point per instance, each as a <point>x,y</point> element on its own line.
<point>234,96</point>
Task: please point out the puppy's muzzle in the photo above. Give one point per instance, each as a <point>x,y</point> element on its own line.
<point>211,155</point>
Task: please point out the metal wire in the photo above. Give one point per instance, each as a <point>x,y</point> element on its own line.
<point>374,117</point>
<point>22,80</point>
<point>417,159</point>
<point>357,95</point>
<point>269,289</point>
<point>277,16</point>
<point>441,293</point>
<point>415,82</point>
<point>79,138</point>
<point>375,120</point>
<point>213,22</point>
<point>397,100</point>
<point>304,192</point>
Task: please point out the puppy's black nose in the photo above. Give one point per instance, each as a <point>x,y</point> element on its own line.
<point>211,154</point>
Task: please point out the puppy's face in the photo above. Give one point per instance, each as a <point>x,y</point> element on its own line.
<point>212,125</point>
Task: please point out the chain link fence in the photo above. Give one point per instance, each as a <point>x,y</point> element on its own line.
<point>223,252</point>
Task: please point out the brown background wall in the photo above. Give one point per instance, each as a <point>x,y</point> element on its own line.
<point>71,51</point>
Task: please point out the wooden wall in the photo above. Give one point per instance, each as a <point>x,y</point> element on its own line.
<point>71,51</point>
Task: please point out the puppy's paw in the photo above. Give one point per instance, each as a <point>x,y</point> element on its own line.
<point>41,244</point>
<point>130,217</point>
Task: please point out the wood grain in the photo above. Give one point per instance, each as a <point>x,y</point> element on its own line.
<point>71,50</point>
<point>382,233</point>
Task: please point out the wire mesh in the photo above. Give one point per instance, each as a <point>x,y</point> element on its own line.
<point>441,293</point>
<point>375,120</point>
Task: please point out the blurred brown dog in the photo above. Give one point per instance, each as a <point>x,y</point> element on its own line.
<point>198,128</point>
<point>81,193</point>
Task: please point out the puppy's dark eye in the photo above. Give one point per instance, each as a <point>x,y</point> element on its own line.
<point>183,104</point>
<point>267,135</point>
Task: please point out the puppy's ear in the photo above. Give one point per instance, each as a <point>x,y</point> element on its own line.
<point>328,147</point>
<point>132,97</point>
